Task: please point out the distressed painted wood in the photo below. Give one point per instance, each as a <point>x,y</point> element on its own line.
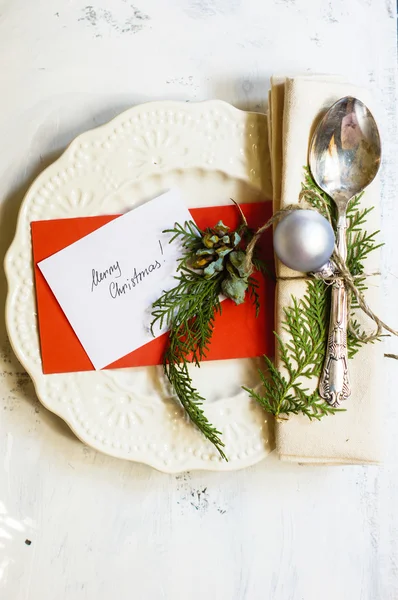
<point>77,525</point>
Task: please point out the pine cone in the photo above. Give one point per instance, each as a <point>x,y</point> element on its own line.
<point>220,253</point>
<point>217,244</point>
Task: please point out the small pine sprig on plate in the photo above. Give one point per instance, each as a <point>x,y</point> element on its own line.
<point>306,323</point>
<point>212,263</point>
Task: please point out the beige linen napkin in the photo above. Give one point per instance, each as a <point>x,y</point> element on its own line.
<point>354,436</point>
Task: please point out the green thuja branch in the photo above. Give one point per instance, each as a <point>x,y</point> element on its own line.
<point>189,310</point>
<point>212,263</point>
<point>306,323</point>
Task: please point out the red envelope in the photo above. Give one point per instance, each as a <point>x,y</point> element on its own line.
<point>237,332</point>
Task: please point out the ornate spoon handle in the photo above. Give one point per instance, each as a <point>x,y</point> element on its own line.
<point>334,383</point>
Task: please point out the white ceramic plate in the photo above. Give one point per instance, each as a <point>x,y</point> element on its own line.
<point>212,152</point>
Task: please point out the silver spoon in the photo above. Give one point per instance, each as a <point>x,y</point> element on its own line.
<point>344,159</point>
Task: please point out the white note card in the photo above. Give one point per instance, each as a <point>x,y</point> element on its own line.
<point>107,281</point>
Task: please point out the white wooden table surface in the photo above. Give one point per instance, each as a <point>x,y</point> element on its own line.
<point>102,528</point>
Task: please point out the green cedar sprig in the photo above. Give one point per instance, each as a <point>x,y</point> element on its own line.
<point>306,323</point>
<point>188,310</point>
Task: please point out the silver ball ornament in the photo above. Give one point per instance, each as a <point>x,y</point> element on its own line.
<point>304,240</point>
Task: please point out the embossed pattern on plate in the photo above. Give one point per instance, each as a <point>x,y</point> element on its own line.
<point>210,150</point>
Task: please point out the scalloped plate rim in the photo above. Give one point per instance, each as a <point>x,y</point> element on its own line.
<point>194,463</point>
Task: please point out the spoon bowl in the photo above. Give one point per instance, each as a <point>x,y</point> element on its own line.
<point>345,151</point>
